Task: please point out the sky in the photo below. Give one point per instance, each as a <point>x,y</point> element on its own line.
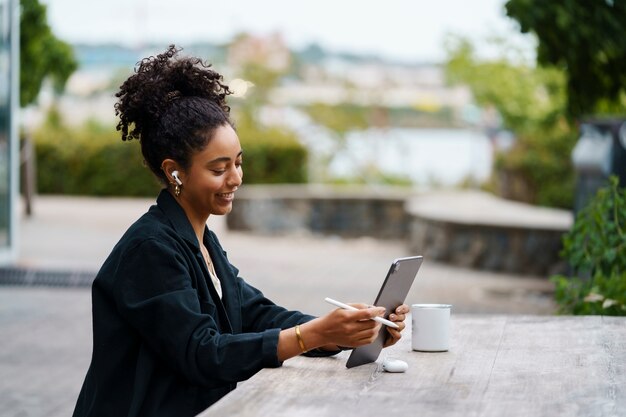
<point>404,30</point>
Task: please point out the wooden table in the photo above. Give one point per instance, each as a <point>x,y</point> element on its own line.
<point>497,366</point>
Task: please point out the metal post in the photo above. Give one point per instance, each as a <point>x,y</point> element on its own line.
<point>29,174</point>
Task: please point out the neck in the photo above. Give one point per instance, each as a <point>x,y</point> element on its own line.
<point>199,230</point>
<point>198,223</point>
<point>196,219</point>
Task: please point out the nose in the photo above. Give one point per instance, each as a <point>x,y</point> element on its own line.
<point>236,177</point>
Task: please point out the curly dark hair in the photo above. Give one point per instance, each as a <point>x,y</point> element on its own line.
<point>172,105</point>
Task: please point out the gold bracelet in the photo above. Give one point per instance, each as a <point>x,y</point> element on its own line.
<point>300,341</point>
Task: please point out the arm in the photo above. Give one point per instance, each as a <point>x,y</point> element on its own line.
<point>337,328</point>
<point>345,330</point>
<point>154,294</point>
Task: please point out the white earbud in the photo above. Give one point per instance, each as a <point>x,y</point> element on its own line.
<point>175,176</point>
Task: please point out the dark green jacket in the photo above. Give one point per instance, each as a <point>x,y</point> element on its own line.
<point>164,344</point>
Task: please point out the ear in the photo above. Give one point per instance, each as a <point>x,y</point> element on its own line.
<point>168,166</point>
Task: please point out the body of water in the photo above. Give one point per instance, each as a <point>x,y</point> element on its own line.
<point>428,157</point>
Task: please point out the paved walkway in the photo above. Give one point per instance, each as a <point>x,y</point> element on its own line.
<point>45,341</point>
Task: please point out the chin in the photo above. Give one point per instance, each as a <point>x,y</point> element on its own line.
<point>222,211</point>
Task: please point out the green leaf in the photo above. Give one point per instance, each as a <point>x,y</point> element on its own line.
<point>596,245</point>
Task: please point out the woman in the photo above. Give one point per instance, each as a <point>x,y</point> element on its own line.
<point>174,327</point>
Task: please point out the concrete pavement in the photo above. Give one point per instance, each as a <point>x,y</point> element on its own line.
<point>45,345</point>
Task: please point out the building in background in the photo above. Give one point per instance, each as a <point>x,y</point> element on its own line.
<point>9,144</point>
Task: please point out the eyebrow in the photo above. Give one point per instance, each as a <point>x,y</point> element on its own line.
<point>223,158</point>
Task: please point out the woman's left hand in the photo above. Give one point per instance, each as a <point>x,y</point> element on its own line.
<point>397,317</point>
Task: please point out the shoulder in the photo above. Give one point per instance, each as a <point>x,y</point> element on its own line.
<point>150,247</point>
<point>152,226</point>
<point>151,236</point>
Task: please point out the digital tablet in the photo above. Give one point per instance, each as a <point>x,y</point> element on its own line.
<point>391,295</point>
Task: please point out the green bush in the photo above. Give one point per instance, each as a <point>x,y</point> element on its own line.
<point>93,160</point>
<point>596,250</point>
<point>535,169</point>
<point>272,156</point>
<point>90,160</point>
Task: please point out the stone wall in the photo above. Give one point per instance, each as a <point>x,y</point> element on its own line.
<point>341,211</point>
<point>478,230</point>
<point>469,229</point>
<point>495,248</point>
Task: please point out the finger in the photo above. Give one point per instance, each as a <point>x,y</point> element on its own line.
<point>365,336</point>
<point>368,313</point>
<point>395,335</point>
<point>368,336</point>
<point>364,326</point>
<point>401,325</point>
<point>402,309</point>
<point>392,337</point>
<point>397,317</point>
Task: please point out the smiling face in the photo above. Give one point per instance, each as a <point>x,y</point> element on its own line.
<point>214,175</point>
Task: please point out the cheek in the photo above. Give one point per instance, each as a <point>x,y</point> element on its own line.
<point>211,184</point>
<point>216,184</point>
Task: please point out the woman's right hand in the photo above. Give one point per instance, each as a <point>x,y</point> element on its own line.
<point>346,328</point>
<point>340,327</point>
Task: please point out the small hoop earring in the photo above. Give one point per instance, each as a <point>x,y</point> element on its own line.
<point>177,190</point>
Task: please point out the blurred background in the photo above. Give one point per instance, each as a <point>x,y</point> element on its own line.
<point>354,93</point>
<point>488,136</point>
<point>364,91</point>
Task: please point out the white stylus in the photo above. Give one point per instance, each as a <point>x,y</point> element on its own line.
<point>349,307</point>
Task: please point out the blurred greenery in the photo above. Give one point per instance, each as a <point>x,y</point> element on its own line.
<point>531,103</point>
<point>339,118</point>
<point>272,154</point>
<point>595,248</point>
<point>264,79</point>
<point>89,160</point>
<point>587,41</point>
<point>42,55</point>
<point>373,176</point>
<point>92,160</point>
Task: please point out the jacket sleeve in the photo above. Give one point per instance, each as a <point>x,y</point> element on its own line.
<point>259,312</point>
<point>154,294</point>
<point>262,313</point>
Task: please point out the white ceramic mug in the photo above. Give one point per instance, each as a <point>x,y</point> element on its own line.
<point>431,327</point>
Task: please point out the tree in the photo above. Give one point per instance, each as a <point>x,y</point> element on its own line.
<point>42,55</point>
<point>585,39</point>
<point>523,94</point>
<point>531,103</point>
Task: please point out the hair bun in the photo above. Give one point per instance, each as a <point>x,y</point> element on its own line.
<point>159,81</point>
<point>173,95</point>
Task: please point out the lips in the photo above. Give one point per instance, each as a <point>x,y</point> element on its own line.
<point>226,196</point>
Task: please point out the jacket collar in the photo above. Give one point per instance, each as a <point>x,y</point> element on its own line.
<point>176,215</point>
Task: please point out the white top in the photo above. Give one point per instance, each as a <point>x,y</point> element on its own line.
<point>214,279</point>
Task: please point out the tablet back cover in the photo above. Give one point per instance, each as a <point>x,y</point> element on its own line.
<point>392,293</point>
